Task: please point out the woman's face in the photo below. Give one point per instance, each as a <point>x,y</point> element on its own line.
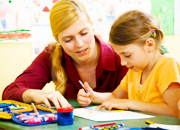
<point>78,40</point>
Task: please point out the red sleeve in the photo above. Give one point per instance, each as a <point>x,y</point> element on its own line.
<point>34,77</point>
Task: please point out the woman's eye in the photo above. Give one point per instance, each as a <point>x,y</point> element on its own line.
<point>84,33</point>
<point>127,56</point>
<point>68,40</point>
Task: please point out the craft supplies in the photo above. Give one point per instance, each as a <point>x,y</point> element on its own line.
<point>65,116</point>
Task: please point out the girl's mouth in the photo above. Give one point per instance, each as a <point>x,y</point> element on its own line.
<point>131,67</point>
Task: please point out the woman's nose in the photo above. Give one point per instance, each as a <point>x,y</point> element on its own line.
<point>79,42</point>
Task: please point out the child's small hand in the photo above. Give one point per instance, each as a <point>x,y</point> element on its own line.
<point>84,99</point>
<point>115,103</point>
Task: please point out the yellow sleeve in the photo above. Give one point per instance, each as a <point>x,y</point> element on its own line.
<point>168,73</point>
<point>124,82</point>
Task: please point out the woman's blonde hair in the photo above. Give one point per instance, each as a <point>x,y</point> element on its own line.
<point>133,27</point>
<point>63,14</point>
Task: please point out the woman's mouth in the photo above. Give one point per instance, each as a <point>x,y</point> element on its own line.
<point>81,52</point>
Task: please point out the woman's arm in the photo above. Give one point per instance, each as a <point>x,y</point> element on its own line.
<point>34,77</point>
<point>41,96</point>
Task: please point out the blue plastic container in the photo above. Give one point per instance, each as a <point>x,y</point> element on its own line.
<point>65,116</point>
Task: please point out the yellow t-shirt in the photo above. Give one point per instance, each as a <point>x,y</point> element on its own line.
<point>165,71</point>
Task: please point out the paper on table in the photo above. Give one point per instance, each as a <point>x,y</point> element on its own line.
<point>165,126</point>
<point>104,115</point>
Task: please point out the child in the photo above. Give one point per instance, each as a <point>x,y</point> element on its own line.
<point>152,83</point>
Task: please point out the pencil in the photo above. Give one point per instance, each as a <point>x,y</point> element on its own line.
<point>20,111</point>
<point>34,108</point>
<point>82,85</point>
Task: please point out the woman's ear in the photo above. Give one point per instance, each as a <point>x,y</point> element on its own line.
<point>56,40</point>
<point>150,44</point>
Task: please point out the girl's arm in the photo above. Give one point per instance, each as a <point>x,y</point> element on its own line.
<point>168,107</point>
<point>102,97</point>
<point>98,97</point>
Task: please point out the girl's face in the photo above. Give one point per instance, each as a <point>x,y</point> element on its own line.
<point>132,56</point>
<point>78,40</point>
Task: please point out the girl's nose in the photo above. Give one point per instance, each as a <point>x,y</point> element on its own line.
<point>123,62</point>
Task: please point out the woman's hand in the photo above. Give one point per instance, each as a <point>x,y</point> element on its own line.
<point>84,99</point>
<point>46,97</point>
<point>179,105</point>
<point>116,104</point>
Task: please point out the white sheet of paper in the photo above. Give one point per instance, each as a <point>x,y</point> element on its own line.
<point>165,126</point>
<point>105,115</point>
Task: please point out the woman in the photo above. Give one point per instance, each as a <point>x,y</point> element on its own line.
<point>77,55</point>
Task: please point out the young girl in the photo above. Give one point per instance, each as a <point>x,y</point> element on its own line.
<point>152,83</point>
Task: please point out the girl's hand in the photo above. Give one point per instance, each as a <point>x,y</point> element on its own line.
<point>48,98</point>
<point>115,103</point>
<point>84,99</point>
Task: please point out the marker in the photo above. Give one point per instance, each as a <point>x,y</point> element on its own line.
<point>151,124</point>
<point>31,114</point>
<point>13,108</point>
<point>109,127</point>
<point>20,111</point>
<point>82,85</point>
<point>94,126</point>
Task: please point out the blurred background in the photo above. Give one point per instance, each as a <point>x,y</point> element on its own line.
<point>25,28</point>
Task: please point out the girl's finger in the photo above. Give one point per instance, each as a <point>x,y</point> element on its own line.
<point>99,107</point>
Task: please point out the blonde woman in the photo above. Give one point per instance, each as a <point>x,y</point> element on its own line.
<point>78,54</point>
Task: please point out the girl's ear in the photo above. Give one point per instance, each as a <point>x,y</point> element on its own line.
<point>150,44</point>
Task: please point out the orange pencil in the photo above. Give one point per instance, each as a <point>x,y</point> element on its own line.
<point>32,114</point>
<point>34,108</point>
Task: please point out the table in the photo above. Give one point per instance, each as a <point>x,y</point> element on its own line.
<point>79,122</point>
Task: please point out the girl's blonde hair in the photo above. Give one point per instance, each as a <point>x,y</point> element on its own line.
<point>63,14</point>
<point>133,27</point>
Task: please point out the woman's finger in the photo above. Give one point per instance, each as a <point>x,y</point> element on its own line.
<point>54,100</point>
<point>61,100</point>
<point>46,102</point>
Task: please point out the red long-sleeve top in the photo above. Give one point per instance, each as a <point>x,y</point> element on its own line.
<point>109,73</point>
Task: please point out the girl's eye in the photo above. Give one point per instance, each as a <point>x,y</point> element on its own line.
<point>127,56</point>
